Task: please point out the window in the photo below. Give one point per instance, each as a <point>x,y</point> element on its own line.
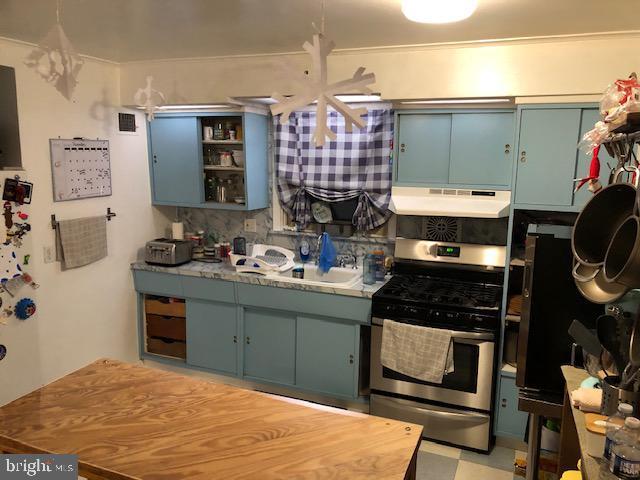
<point>350,176</point>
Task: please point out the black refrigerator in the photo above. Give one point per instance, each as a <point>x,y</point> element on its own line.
<point>550,302</point>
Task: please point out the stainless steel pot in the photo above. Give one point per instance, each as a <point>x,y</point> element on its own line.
<point>591,283</point>
<point>600,218</point>
<point>622,263</point>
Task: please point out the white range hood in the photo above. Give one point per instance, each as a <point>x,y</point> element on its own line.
<point>450,202</point>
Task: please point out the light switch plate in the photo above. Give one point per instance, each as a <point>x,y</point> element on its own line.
<point>250,225</point>
<point>47,253</point>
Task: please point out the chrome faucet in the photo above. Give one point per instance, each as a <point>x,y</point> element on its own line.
<point>348,260</point>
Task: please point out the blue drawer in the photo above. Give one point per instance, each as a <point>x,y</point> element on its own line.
<point>209,289</point>
<point>300,301</point>
<point>157,283</point>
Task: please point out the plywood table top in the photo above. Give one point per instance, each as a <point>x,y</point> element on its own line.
<point>131,422</point>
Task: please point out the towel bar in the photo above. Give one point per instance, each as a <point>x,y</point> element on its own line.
<point>54,222</point>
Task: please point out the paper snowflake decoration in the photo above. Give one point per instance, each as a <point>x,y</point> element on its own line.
<point>145,98</point>
<point>56,61</point>
<point>315,87</point>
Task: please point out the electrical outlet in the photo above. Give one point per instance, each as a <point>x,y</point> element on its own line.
<point>47,253</point>
<point>250,225</point>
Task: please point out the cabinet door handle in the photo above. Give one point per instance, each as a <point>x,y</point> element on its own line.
<point>235,339</point>
<point>523,156</point>
<point>351,359</point>
<point>503,403</point>
<point>402,147</point>
<point>248,340</point>
<point>155,159</point>
<point>507,148</point>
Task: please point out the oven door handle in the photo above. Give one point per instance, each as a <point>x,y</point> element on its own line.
<point>453,416</point>
<point>455,334</point>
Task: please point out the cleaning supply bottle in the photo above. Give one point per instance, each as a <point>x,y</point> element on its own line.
<point>625,452</point>
<point>614,423</point>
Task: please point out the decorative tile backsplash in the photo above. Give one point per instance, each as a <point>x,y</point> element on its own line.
<point>223,225</point>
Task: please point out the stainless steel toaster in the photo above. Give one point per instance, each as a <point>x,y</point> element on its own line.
<point>165,251</point>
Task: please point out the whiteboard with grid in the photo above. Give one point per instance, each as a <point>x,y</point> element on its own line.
<point>80,169</point>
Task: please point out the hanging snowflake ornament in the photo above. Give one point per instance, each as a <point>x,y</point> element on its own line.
<point>315,87</point>
<point>56,61</point>
<point>145,98</point>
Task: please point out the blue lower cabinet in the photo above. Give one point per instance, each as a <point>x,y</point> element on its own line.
<point>270,346</point>
<point>212,336</point>
<point>511,422</point>
<point>326,356</point>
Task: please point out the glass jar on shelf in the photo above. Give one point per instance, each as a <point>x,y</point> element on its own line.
<point>218,131</point>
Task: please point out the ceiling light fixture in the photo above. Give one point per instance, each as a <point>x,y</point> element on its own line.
<point>186,107</point>
<point>438,11</point>
<point>457,101</point>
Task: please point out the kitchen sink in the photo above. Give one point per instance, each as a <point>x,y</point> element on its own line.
<point>336,277</point>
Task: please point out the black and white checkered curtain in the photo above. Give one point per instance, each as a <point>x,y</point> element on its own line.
<point>356,164</point>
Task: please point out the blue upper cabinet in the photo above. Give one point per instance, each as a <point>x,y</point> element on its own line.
<point>547,156</point>
<point>589,118</point>
<point>482,147</point>
<point>175,168</point>
<point>457,149</point>
<point>193,169</point>
<point>423,155</point>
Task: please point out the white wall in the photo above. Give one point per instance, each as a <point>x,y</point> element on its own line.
<point>557,66</point>
<point>85,313</point>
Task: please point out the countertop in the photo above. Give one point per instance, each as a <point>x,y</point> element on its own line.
<point>224,271</point>
<point>134,423</point>
<point>590,466</point>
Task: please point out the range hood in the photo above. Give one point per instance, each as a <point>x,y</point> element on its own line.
<point>450,202</point>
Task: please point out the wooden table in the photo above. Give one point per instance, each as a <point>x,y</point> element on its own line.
<point>129,422</point>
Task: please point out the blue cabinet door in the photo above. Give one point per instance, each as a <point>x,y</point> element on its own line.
<point>511,421</point>
<point>423,150</point>
<point>212,336</point>
<point>547,156</point>
<point>482,148</point>
<point>270,345</point>
<point>326,356</point>
<point>175,156</point>
<point>589,118</point>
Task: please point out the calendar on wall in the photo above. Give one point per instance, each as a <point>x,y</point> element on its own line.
<point>80,169</point>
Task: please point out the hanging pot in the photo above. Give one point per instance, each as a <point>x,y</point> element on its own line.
<point>622,264</point>
<point>600,218</point>
<point>592,284</point>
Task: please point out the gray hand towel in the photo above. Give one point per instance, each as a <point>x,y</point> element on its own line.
<point>81,241</point>
<point>419,352</point>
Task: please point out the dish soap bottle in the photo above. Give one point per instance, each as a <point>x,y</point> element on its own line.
<point>305,251</point>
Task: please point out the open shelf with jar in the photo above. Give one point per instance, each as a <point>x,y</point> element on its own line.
<point>214,159</point>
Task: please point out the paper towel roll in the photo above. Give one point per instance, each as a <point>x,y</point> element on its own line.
<point>177,231</point>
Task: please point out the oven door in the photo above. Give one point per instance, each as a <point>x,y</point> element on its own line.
<point>470,385</point>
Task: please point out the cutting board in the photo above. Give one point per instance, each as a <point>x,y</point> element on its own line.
<point>590,419</point>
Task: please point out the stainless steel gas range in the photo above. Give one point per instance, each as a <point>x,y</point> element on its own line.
<point>457,287</point>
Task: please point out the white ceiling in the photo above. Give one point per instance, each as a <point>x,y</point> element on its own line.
<point>126,30</point>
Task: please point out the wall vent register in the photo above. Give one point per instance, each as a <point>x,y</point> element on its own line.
<point>126,122</point>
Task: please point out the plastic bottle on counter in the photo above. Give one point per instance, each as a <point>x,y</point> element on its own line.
<point>614,423</point>
<point>625,451</point>
<point>380,270</point>
<point>369,269</point>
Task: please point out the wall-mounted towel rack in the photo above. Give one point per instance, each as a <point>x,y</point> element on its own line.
<point>54,222</point>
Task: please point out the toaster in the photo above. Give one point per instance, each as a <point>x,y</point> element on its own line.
<point>165,251</point>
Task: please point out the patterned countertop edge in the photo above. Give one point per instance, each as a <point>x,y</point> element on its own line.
<point>222,271</point>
